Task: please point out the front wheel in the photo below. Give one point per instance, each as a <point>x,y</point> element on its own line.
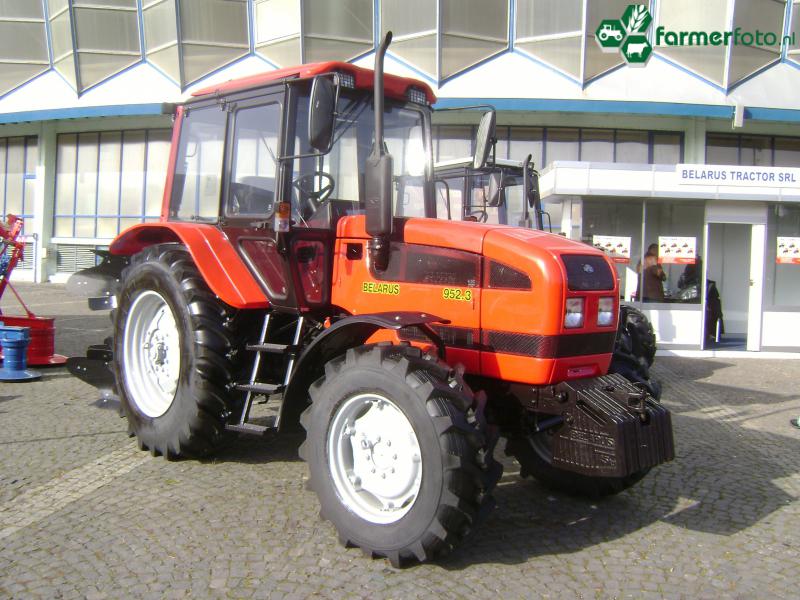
<point>534,453</point>
<point>398,452</point>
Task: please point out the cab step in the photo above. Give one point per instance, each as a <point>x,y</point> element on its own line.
<point>260,388</point>
<point>251,428</point>
<point>273,348</point>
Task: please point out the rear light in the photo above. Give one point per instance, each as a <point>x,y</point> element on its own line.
<point>346,79</point>
<point>417,95</point>
<point>605,312</point>
<point>573,316</point>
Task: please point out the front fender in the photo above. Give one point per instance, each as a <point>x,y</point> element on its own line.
<point>220,265</point>
<point>348,332</point>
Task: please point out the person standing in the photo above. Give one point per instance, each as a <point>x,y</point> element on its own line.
<point>653,276</point>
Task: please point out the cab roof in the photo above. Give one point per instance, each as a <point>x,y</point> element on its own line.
<point>394,86</point>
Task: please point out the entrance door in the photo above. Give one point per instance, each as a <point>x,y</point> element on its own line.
<point>734,274</point>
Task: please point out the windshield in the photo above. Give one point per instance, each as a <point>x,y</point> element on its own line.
<point>476,206</point>
<point>327,187</point>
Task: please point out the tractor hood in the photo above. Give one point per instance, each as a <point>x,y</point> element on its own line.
<point>478,238</point>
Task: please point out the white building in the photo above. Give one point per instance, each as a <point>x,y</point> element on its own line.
<point>84,123</point>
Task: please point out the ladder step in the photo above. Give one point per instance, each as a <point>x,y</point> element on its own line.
<point>250,428</point>
<point>259,388</point>
<point>273,348</point>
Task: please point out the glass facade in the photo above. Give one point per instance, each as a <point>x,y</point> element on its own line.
<point>289,32</point>
<point>755,15</point>
<point>689,15</point>
<point>782,289</point>
<point>445,37</point>
<point>793,52</point>
<point>93,39</point>
<point>18,159</point>
<point>548,144</point>
<point>108,181</point>
<point>88,41</point>
<point>752,150</point>
<point>23,43</point>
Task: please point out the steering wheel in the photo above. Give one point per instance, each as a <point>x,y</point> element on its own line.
<point>306,186</point>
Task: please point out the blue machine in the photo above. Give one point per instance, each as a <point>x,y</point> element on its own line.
<point>14,341</point>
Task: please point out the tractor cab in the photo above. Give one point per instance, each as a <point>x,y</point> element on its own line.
<point>275,162</point>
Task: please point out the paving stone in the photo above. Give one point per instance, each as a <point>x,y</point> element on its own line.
<point>85,515</point>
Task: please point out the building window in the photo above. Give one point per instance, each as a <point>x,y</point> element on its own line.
<point>18,159</point>
<point>620,219</point>
<point>108,181</point>
<point>752,150</point>
<point>453,141</point>
<point>782,288</point>
<point>548,144</point>
<point>680,281</point>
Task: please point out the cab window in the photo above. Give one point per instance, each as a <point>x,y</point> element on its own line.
<point>254,161</point>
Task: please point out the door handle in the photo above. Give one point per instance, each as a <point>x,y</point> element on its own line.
<point>752,283</point>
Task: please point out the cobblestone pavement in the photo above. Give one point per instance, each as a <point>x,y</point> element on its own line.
<point>83,514</point>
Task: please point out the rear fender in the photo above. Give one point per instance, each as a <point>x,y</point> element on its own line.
<point>346,333</point>
<point>220,265</point>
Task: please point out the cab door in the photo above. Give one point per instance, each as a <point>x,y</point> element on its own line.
<point>252,192</point>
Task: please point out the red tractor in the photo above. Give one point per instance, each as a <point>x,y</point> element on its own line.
<point>403,346</point>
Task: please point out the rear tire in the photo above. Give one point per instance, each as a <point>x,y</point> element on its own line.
<point>635,349</point>
<point>399,453</point>
<point>535,457</point>
<point>174,350</point>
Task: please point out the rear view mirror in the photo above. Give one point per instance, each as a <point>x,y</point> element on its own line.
<point>496,190</point>
<point>321,113</point>
<point>484,139</point>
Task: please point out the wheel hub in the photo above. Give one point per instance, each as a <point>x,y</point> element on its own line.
<point>375,458</point>
<point>151,354</point>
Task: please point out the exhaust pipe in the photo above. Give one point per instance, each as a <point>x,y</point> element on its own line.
<point>378,176</point>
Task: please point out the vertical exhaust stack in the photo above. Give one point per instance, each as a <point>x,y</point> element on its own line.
<point>378,176</point>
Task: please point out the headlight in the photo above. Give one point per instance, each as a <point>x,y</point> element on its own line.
<point>573,317</point>
<point>605,312</point>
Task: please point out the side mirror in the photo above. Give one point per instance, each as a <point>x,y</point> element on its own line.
<point>497,193</point>
<point>321,113</point>
<point>534,200</point>
<point>484,140</point>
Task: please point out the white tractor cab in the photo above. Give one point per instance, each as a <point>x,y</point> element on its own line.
<point>495,193</point>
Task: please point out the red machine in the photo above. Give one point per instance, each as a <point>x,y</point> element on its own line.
<point>283,266</point>
<point>41,350</point>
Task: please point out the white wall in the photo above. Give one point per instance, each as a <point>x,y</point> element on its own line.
<point>781,329</point>
<point>680,327</point>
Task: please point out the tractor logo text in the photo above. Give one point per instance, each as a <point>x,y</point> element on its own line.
<point>387,289</point>
<point>627,35</point>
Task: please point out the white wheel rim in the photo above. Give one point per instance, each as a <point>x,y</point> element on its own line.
<point>374,458</point>
<point>151,354</point>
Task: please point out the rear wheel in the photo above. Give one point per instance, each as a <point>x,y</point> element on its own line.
<point>534,453</point>
<point>175,348</point>
<point>399,452</point>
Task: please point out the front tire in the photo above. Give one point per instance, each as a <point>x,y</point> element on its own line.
<point>399,453</point>
<point>174,349</point>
